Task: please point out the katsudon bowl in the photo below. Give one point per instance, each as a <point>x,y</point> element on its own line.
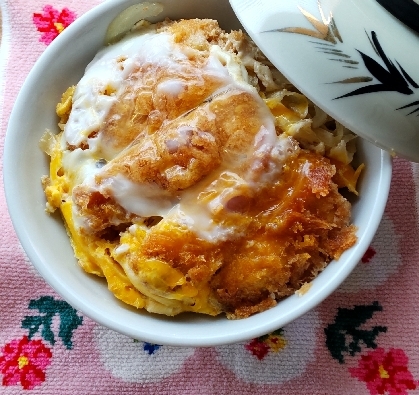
<point>44,238</point>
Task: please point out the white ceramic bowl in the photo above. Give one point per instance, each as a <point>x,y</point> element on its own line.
<point>356,59</point>
<point>45,240</point>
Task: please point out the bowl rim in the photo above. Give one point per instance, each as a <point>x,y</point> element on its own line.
<point>213,339</point>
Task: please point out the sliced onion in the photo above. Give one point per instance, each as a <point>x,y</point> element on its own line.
<point>126,20</point>
<point>47,142</point>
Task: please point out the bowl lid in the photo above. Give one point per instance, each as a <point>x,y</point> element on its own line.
<point>355,59</point>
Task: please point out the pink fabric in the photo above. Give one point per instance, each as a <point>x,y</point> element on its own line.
<point>361,340</point>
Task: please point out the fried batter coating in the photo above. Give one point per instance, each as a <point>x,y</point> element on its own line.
<point>289,246</point>
<point>146,104</point>
<point>176,156</point>
<point>289,237</point>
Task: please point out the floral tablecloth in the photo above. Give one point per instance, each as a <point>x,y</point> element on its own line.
<point>362,340</point>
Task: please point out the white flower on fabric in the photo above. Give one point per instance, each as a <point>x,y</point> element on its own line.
<point>275,358</point>
<point>380,261</point>
<point>134,361</point>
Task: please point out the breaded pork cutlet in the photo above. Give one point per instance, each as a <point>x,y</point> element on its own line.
<point>207,184</point>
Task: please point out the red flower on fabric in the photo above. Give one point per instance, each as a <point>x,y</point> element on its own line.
<point>369,254</point>
<point>258,348</point>
<point>261,346</point>
<point>52,22</point>
<point>385,372</point>
<point>24,361</point>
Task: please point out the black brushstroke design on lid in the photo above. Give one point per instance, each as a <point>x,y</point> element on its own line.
<point>415,103</point>
<point>391,77</point>
<point>406,11</point>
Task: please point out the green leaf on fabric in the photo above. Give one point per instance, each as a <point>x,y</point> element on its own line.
<point>48,308</point>
<point>345,335</point>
